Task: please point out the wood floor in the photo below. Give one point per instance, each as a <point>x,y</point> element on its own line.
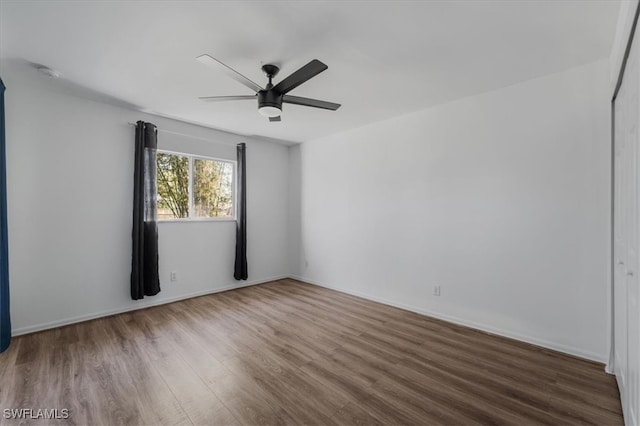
<point>291,353</point>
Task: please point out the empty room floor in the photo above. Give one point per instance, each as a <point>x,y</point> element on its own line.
<point>286,352</point>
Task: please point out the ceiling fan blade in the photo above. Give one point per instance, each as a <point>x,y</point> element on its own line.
<point>297,100</point>
<point>305,73</point>
<point>275,118</point>
<point>227,98</point>
<point>217,65</point>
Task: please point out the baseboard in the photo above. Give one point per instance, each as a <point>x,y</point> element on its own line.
<point>82,318</point>
<point>609,369</point>
<point>467,323</point>
<point>450,318</point>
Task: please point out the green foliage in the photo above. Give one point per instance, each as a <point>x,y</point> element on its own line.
<point>212,194</point>
<point>212,187</point>
<point>173,184</point>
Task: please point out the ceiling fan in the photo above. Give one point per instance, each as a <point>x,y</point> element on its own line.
<point>271,98</point>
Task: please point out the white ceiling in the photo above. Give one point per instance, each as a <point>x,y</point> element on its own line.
<point>385,58</point>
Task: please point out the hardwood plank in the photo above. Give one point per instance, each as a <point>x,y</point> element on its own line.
<point>249,403</point>
<point>352,414</point>
<point>287,352</point>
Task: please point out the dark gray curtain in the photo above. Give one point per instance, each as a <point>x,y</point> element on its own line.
<point>240,271</point>
<point>5,318</point>
<point>144,266</point>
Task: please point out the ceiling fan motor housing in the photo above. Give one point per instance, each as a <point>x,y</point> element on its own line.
<point>269,98</point>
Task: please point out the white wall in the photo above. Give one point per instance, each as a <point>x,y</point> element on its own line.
<point>502,199</point>
<point>70,172</point>
<point>626,14</point>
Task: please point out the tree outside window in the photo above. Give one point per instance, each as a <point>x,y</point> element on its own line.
<point>194,187</point>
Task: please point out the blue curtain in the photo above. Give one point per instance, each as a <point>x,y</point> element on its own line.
<point>5,319</point>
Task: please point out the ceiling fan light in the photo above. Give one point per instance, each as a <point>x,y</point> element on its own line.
<point>270,111</point>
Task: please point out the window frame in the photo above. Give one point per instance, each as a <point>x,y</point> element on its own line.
<point>234,189</point>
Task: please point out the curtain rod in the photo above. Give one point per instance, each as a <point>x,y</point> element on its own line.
<point>183,134</point>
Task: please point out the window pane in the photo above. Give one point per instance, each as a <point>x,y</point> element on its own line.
<point>173,186</point>
<point>212,188</point>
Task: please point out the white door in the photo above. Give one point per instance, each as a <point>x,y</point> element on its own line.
<point>620,283</point>
<point>632,261</point>
<point>626,236</point>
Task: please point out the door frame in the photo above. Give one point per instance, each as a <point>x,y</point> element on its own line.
<point>611,368</point>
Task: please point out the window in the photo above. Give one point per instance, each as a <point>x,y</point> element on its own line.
<point>191,187</point>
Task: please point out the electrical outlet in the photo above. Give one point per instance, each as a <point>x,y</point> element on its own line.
<point>436,290</point>
<point>173,276</point>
